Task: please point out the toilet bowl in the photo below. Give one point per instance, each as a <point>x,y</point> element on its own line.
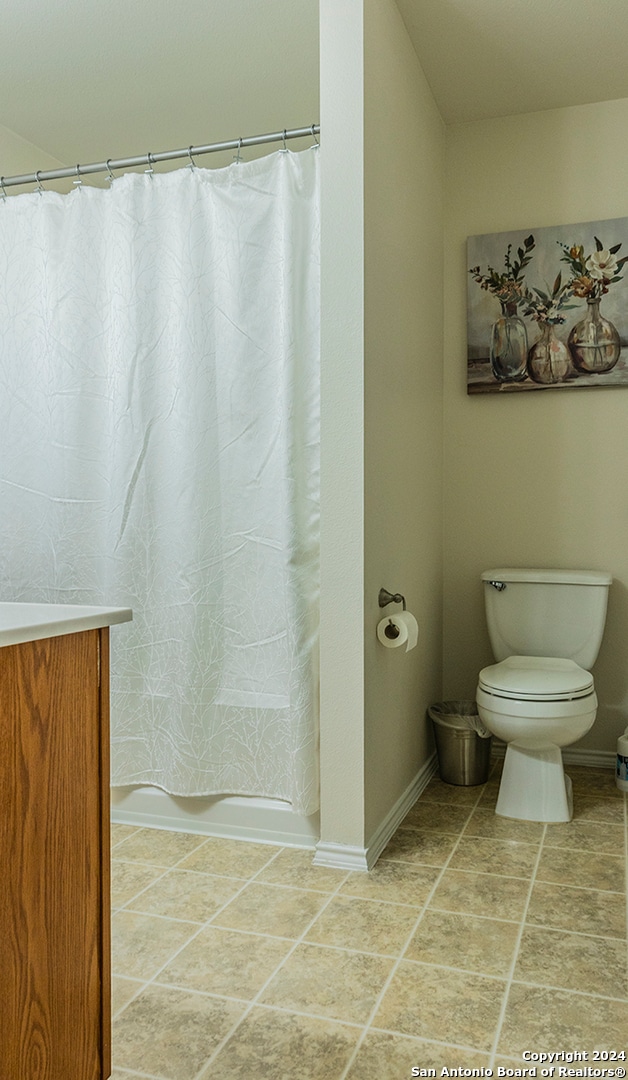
<point>545,628</point>
<point>536,705</point>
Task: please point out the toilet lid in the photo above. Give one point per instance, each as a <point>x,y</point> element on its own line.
<point>536,678</point>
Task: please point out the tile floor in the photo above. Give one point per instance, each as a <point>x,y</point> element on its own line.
<point>474,939</point>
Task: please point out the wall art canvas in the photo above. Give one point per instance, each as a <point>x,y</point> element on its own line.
<point>548,308</point>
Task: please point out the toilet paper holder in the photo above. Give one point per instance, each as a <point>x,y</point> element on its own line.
<point>401,628</point>
<point>386,597</point>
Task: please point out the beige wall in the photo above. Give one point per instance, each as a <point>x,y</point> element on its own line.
<point>18,157</point>
<point>532,479</point>
<point>381,410</point>
<point>403,222</point>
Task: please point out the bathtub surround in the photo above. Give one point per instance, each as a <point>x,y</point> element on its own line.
<point>231,816</point>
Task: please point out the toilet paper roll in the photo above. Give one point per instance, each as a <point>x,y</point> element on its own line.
<point>405,623</point>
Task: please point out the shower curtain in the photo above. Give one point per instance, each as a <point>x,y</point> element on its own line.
<point>159,401</point>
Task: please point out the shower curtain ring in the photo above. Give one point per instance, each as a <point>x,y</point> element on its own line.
<point>285,148</point>
<point>238,157</point>
<point>192,164</point>
<point>149,161</point>
<point>40,187</point>
<point>110,176</point>
<point>78,182</point>
<point>4,190</point>
<point>316,142</point>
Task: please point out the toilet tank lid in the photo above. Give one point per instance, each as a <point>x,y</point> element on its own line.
<point>558,577</point>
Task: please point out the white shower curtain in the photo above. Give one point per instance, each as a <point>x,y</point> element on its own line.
<point>159,402</point>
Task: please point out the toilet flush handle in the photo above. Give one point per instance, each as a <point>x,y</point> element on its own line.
<point>499,585</point>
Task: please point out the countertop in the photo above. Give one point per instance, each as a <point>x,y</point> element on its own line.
<point>31,622</point>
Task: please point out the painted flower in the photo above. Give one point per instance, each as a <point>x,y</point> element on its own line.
<point>592,275</point>
<point>582,285</point>
<point>547,307</point>
<point>602,265</point>
<point>507,286</point>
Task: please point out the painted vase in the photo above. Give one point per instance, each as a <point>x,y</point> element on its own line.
<point>594,342</point>
<point>509,346</point>
<point>549,360</point>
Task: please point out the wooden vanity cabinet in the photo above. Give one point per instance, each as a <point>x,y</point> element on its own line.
<point>54,858</point>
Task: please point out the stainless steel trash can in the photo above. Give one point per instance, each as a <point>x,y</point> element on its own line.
<point>463,744</point>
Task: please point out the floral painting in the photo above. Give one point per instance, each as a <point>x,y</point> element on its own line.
<point>548,308</point>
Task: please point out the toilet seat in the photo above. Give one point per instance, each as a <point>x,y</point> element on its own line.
<point>536,678</point>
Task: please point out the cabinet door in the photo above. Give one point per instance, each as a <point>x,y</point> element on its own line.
<point>54,835</point>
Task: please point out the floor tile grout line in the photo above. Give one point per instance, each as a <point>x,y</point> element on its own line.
<point>155,977</point>
<point>169,918</point>
<point>165,870</point>
<point>245,881</point>
<point>210,924</point>
<point>201,926</point>
<point>202,840</point>
<point>523,982</point>
<point>299,1012</point>
<point>301,941</point>
<point>475,914</point>
<point>513,965</point>
<point>519,877</point>
<point>468,835</point>
<point>139,1075</point>
<point>535,926</point>
<point>116,843</point>
<point>305,1014</point>
<point>396,964</point>
<point>543,846</point>
<point>127,905</point>
<point>440,1043</point>
<point>570,990</point>
<point>118,1012</point>
<point>140,892</point>
<point>202,1074</point>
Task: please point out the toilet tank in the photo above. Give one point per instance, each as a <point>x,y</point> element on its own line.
<point>546,612</point>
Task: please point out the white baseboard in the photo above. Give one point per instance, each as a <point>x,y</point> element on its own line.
<point>271,821</point>
<point>393,819</point>
<point>234,817</point>
<point>347,857</point>
<point>341,856</point>
<point>590,759</point>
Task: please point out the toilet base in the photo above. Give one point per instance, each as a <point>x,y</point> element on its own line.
<point>534,786</point>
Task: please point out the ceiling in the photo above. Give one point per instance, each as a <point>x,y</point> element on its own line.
<point>487,58</point>
<point>88,79</point>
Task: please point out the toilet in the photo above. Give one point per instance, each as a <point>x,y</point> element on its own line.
<point>545,628</point>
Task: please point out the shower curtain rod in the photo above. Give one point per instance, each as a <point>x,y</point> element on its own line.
<point>151,159</point>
